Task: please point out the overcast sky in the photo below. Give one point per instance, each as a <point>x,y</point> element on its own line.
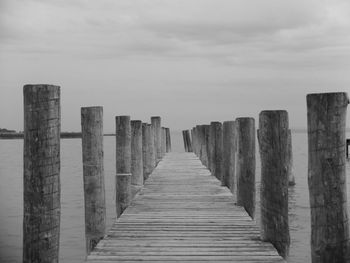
<point>189,61</point>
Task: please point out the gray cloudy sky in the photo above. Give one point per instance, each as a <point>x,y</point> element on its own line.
<point>190,61</point>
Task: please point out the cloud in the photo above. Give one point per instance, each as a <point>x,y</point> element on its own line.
<point>235,32</point>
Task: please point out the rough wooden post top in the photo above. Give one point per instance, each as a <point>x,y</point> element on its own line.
<point>123,174</point>
<point>328,96</point>
<point>122,117</point>
<point>91,108</point>
<point>35,93</point>
<point>215,123</point>
<point>245,118</point>
<point>155,118</point>
<point>228,122</point>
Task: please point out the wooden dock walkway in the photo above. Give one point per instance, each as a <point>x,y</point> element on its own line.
<point>183,214</point>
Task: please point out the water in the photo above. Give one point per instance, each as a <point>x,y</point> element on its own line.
<point>72,242</point>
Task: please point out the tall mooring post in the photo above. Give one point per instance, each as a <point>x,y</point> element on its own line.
<point>273,143</point>
<point>216,150</point>
<point>157,131</point>
<point>326,119</point>
<point>187,141</point>
<point>93,175</point>
<point>291,178</point>
<point>245,164</point>
<point>163,141</point>
<point>168,140</point>
<point>136,157</point>
<point>229,154</point>
<point>41,173</point>
<point>123,163</point>
<point>147,149</point>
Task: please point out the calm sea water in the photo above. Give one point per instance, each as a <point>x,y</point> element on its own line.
<point>72,247</point>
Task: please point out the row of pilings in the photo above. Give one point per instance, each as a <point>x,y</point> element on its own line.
<point>139,148</point>
<point>228,150</point>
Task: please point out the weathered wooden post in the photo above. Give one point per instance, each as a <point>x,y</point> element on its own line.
<point>273,143</point>
<point>193,141</point>
<point>211,147</point>
<point>203,154</point>
<point>229,154</point>
<point>291,179</point>
<point>41,173</point>
<point>136,157</point>
<point>326,118</point>
<point>187,140</point>
<point>216,150</point>
<point>168,140</point>
<point>153,150</point>
<point>123,163</point>
<point>157,130</point>
<point>146,150</point>
<point>205,145</point>
<point>245,164</point>
<point>93,175</point>
<point>163,141</point>
<point>347,147</point>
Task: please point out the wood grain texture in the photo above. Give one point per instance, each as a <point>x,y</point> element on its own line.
<point>41,173</point>
<point>326,115</point>
<point>157,132</point>
<point>273,145</point>
<point>123,163</point>
<point>168,140</point>
<point>229,154</point>
<point>245,164</point>
<point>136,154</point>
<point>93,175</point>
<point>183,214</point>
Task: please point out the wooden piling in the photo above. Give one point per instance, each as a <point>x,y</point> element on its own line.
<point>136,157</point>
<point>168,140</point>
<point>193,141</point>
<point>229,154</point>
<point>153,150</point>
<point>216,149</point>
<point>187,140</point>
<point>157,130</point>
<point>347,147</point>
<point>93,175</point>
<point>123,163</point>
<point>273,143</point>
<point>41,173</point>
<point>205,145</point>
<point>326,118</point>
<point>211,147</point>
<point>146,150</point>
<point>291,178</point>
<point>163,141</point>
<point>245,164</point>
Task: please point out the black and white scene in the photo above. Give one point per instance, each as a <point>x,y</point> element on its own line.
<point>189,131</point>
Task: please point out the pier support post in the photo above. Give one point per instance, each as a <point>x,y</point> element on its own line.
<point>229,156</point>
<point>123,163</point>
<point>245,164</point>
<point>291,179</point>
<point>93,175</point>
<point>168,140</point>
<point>136,157</point>
<point>41,173</point>
<point>273,142</point>
<point>206,146</point>
<point>163,142</point>
<point>146,150</point>
<point>326,118</point>
<point>157,130</point>
<point>216,150</point>
<point>187,140</point>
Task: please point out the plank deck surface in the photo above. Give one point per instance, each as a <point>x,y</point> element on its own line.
<point>183,214</point>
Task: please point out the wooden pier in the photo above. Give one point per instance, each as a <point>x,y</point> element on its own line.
<point>183,214</point>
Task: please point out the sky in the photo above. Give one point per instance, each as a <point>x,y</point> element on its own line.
<point>188,61</point>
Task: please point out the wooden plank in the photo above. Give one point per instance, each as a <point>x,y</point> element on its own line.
<point>183,214</point>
